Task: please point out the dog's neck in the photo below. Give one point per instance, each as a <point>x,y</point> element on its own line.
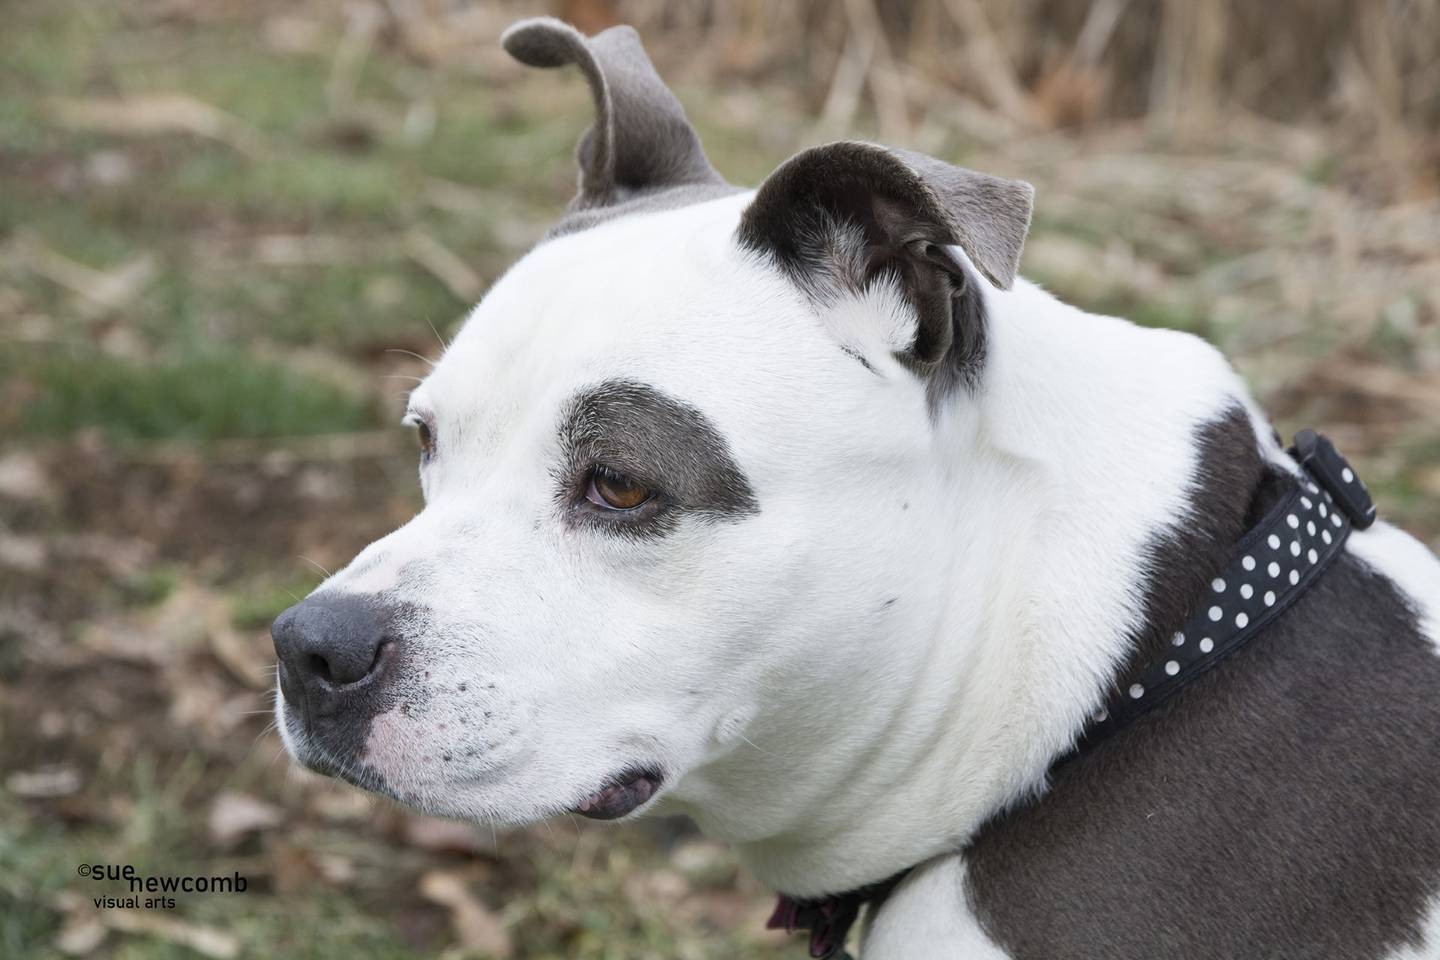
<point>1077,450</point>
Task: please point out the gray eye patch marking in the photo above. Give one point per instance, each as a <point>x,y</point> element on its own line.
<point>657,440</point>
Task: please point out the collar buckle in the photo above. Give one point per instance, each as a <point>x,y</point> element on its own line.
<point>1317,455</point>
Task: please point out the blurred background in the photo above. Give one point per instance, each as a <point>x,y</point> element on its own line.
<point>232,230</point>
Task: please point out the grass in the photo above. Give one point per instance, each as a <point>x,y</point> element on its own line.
<point>253,606</point>
<point>208,395</point>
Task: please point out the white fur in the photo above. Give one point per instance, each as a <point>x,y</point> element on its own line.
<point>927,918</point>
<point>1428,947</point>
<point>832,736</point>
<point>1393,553</point>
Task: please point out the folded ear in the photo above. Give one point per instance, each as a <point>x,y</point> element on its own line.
<point>840,216</point>
<point>640,141</point>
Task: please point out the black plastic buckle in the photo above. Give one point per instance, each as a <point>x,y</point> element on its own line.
<point>1317,455</point>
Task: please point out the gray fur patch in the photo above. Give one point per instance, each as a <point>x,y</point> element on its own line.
<point>655,439</point>
<point>1284,804</point>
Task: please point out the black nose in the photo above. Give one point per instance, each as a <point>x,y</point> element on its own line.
<point>327,644</point>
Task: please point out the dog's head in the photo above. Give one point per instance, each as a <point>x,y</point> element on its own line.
<point>680,471</point>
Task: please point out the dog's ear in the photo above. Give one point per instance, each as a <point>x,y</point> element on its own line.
<point>640,141</point>
<point>840,216</point>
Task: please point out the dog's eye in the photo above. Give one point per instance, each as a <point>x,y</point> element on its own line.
<point>424,435</point>
<point>614,491</point>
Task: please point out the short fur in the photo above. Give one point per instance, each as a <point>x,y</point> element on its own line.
<point>866,611</point>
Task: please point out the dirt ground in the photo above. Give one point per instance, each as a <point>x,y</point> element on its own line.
<point>231,232</point>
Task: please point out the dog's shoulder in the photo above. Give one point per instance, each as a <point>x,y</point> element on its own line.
<point>1286,804</point>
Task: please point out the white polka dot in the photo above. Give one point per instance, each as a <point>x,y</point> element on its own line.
<point>1218,585</point>
<point>1312,556</point>
<point>1309,504</point>
<point>1216,613</point>
<point>1294,548</point>
<point>1171,667</point>
<point>1136,691</point>
<point>1248,563</point>
<point>1273,569</point>
<point>1347,475</point>
<point>1335,519</point>
<point>1310,527</point>
<point>1247,591</point>
<point>1293,520</point>
<point>1178,640</point>
<point>1274,542</point>
<point>1325,535</point>
<point>1241,619</point>
<point>1324,510</point>
<point>1294,577</point>
<point>1269,598</point>
<point>1206,645</point>
<point>1102,716</point>
<point>1312,488</point>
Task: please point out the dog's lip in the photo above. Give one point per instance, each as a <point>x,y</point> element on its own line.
<point>621,794</point>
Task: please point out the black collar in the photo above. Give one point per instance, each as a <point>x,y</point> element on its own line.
<point>1271,566</point>
<point>1269,569</point>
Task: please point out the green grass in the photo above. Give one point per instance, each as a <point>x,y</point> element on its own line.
<point>209,395</point>
<point>255,605</point>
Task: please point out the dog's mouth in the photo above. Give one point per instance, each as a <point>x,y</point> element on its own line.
<point>622,794</point>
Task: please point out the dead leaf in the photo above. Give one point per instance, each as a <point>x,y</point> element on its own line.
<point>248,656</point>
<point>44,783</point>
<point>157,113</point>
<point>1428,481</point>
<point>443,836</point>
<point>234,816</point>
<point>203,940</point>
<point>26,554</point>
<point>102,290</point>
<point>338,805</point>
<point>476,926</point>
<point>22,477</point>
<point>292,868</point>
<point>335,869</point>
<point>447,267</point>
<point>80,934</point>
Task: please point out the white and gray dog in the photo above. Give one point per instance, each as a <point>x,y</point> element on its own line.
<point>794,510</point>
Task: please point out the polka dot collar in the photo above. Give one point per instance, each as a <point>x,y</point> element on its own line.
<point>1272,565</point>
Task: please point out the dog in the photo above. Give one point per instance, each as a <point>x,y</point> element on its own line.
<point>795,511</point>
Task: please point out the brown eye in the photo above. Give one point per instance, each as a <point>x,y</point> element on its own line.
<point>613,491</point>
<point>427,439</point>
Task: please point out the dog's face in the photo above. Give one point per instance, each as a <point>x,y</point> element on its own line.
<point>678,466</point>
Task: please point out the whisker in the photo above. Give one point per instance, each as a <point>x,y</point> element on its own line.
<point>411,353</point>
<point>441,340</point>
<point>316,566</point>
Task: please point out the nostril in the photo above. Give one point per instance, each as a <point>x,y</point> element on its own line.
<point>320,667</point>
<point>379,654</point>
